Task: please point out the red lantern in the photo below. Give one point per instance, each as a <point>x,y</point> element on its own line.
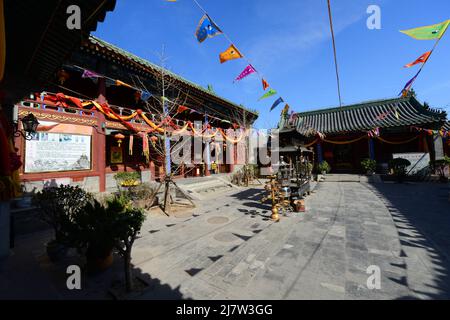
<point>62,76</point>
<point>119,137</point>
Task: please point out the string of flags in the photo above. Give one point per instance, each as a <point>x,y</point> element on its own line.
<point>88,74</point>
<point>442,132</point>
<point>433,32</point>
<point>207,28</point>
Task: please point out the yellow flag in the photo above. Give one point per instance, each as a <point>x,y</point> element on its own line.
<point>230,54</point>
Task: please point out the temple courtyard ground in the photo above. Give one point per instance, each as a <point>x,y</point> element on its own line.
<point>227,248</point>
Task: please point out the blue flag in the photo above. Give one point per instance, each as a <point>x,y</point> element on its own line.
<point>206,29</point>
<point>276,103</point>
<point>145,95</point>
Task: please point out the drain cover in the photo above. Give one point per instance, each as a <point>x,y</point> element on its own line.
<point>218,220</point>
<point>225,237</point>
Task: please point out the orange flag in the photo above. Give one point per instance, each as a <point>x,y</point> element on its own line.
<point>265,84</point>
<point>121,83</point>
<point>422,59</point>
<point>230,54</point>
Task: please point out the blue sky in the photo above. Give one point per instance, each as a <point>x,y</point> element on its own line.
<point>289,42</point>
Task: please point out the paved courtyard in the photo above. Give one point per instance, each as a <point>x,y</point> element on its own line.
<point>229,249</point>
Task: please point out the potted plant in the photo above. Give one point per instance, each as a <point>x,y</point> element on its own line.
<point>141,195</point>
<point>127,180</point>
<point>323,167</point>
<point>398,167</point>
<point>57,207</point>
<point>369,166</point>
<point>128,224</point>
<point>92,232</point>
<point>439,166</point>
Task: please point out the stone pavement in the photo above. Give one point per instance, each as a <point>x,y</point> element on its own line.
<point>227,248</point>
<point>323,254</point>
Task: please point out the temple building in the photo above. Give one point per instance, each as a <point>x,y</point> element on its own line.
<point>378,130</point>
<point>104,112</point>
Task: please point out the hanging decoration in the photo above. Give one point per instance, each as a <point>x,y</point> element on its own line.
<point>90,74</point>
<point>432,32</point>
<point>166,123</point>
<point>145,146</point>
<point>247,71</point>
<point>119,137</point>
<point>422,59</point>
<point>231,53</point>
<point>182,109</point>
<point>268,94</point>
<point>409,84</point>
<point>130,145</point>
<point>145,95</point>
<point>206,29</point>
<point>276,103</point>
<point>265,84</point>
<point>123,84</point>
<point>374,133</point>
<point>285,110</point>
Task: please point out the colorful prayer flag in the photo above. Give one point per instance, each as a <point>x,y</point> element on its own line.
<point>206,29</point>
<point>182,109</point>
<point>422,59</point>
<point>268,94</point>
<point>276,103</point>
<point>409,84</point>
<point>247,71</point>
<point>121,83</point>
<point>265,84</point>
<point>90,74</point>
<point>285,110</point>
<point>230,54</point>
<point>435,31</point>
<point>145,95</point>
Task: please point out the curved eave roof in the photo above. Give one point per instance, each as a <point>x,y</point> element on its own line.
<point>38,40</point>
<point>369,115</point>
<point>99,43</point>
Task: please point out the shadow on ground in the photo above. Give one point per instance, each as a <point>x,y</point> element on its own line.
<point>421,212</point>
<point>253,203</point>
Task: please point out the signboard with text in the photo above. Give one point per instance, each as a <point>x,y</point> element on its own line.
<point>50,152</point>
<point>419,161</point>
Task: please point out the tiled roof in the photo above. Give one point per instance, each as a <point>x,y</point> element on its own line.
<point>127,55</point>
<point>447,126</point>
<point>367,116</point>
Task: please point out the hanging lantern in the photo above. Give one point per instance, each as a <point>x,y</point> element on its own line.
<point>119,137</point>
<point>62,76</point>
<point>153,139</point>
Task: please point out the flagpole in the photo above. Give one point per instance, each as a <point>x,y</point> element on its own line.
<point>335,55</point>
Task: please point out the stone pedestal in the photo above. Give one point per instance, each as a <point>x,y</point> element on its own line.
<point>4,229</point>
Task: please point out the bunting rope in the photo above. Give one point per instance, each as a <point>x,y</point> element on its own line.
<point>397,142</point>
<point>241,55</point>
<point>345,142</point>
<point>174,129</point>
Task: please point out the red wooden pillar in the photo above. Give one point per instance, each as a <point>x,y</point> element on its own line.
<point>99,145</point>
<point>100,138</point>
